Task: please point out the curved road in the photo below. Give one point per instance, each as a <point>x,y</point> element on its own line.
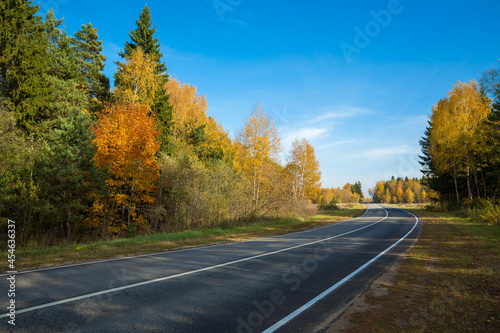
<point>288,283</point>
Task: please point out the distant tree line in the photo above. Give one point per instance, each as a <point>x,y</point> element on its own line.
<point>349,193</point>
<point>400,190</point>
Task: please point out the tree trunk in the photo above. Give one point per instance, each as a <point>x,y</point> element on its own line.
<point>469,191</point>
<point>68,220</point>
<point>456,185</point>
<point>130,202</point>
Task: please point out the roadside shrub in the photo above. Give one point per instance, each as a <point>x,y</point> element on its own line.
<point>486,211</point>
<point>332,205</point>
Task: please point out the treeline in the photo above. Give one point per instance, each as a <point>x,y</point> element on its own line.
<point>461,145</point>
<point>349,193</point>
<point>399,190</point>
<point>80,161</point>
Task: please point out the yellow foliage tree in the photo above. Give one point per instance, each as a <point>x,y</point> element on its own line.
<point>136,80</point>
<point>304,166</point>
<point>454,136</point>
<point>190,115</point>
<point>399,194</point>
<point>409,196</point>
<point>257,146</point>
<point>189,109</point>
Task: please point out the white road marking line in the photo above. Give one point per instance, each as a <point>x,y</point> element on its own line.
<point>177,251</point>
<point>72,299</point>
<point>306,306</point>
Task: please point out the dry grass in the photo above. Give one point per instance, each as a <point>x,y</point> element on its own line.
<point>449,282</point>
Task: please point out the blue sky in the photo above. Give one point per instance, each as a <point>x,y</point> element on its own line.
<point>356,78</point>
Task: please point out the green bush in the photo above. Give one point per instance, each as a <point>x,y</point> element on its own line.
<point>332,205</point>
<point>486,211</point>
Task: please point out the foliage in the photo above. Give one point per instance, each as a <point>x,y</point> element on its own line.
<point>487,211</point>
<point>461,144</point>
<point>23,62</point>
<point>189,109</point>
<point>345,194</point>
<point>257,149</point>
<point>399,190</point>
<point>126,138</point>
<point>90,62</point>
<point>332,205</point>
<point>304,168</point>
<point>137,80</point>
<point>79,163</point>
<point>199,194</point>
<point>67,95</point>
<point>17,165</point>
<point>143,37</point>
<point>67,176</point>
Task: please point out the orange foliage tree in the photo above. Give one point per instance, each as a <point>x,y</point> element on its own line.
<point>126,139</point>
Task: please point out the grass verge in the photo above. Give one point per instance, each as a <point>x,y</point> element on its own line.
<point>37,257</point>
<point>448,282</point>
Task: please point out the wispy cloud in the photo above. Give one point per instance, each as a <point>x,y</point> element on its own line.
<point>386,152</point>
<point>336,143</point>
<point>308,133</point>
<point>383,153</point>
<point>339,112</point>
<point>289,134</point>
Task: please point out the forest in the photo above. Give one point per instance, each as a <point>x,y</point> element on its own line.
<point>329,197</point>
<point>461,148</point>
<point>81,161</point>
<point>399,190</point>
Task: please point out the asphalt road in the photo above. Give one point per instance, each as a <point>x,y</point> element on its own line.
<point>289,283</point>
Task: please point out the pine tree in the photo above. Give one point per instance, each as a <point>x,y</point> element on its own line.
<point>67,96</point>
<point>67,176</point>
<point>87,48</point>
<point>356,188</point>
<point>143,37</point>
<point>23,62</point>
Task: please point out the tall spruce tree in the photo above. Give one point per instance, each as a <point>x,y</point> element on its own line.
<point>90,62</point>
<point>143,37</point>
<point>67,95</point>
<point>23,62</point>
<point>67,175</point>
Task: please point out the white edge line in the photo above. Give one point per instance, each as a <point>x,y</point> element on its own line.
<point>306,306</point>
<point>76,298</point>
<point>177,251</point>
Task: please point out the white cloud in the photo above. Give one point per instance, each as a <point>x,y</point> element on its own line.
<point>289,134</point>
<point>386,152</point>
<point>336,143</point>
<point>336,112</point>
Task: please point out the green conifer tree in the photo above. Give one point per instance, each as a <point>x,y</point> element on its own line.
<point>87,48</point>
<point>67,95</point>
<point>143,36</point>
<point>23,62</point>
<point>67,175</point>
